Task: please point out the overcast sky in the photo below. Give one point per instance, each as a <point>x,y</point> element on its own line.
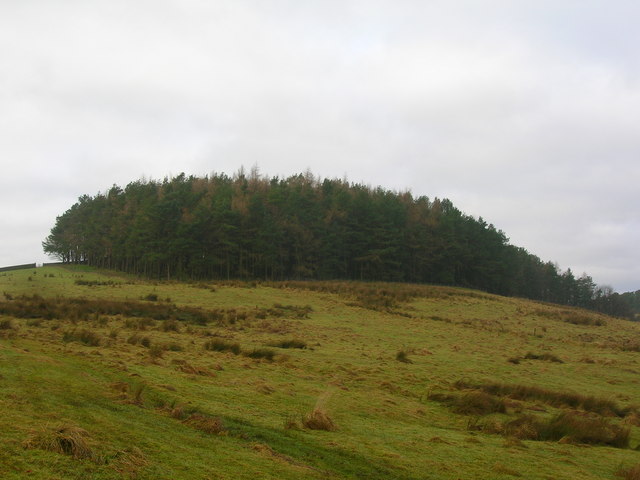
<point>525,113</point>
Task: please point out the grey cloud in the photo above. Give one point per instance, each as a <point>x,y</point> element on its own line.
<point>523,114</point>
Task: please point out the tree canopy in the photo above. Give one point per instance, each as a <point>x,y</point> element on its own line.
<point>300,227</point>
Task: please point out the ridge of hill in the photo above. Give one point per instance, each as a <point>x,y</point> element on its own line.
<point>251,227</point>
<point>107,376</point>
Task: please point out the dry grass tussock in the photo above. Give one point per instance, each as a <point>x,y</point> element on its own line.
<point>205,423</point>
<point>575,317</point>
<point>471,403</point>
<point>631,473</point>
<point>588,403</point>
<point>318,418</point>
<point>568,427</point>
<point>64,439</point>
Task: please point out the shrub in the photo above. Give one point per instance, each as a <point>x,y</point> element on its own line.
<point>6,324</point>
<point>265,353</point>
<point>403,356</point>
<point>170,325</point>
<point>545,356</point>
<point>152,297</point>
<point>156,350</point>
<point>292,343</point>
<point>218,345</point>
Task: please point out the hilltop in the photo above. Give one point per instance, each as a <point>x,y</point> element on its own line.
<point>256,228</point>
<point>106,375</point>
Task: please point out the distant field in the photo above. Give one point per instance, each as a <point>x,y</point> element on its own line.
<point>106,376</point>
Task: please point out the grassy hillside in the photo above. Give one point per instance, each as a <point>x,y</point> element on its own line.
<point>106,376</point>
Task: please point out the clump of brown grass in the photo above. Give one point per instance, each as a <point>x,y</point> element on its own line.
<point>64,439</point>
<point>569,427</point>
<point>318,418</point>
<point>291,423</point>
<point>84,336</point>
<point>193,370</point>
<point>205,423</point>
<point>601,406</point>
<point>129,461</point>
<point>503,469</point>
<point>631,473</point>
<point>547,357</point>
<point>471,403</point>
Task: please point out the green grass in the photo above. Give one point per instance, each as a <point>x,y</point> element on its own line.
<point>168,389</point>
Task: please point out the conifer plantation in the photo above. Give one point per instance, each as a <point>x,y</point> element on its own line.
<point>302,228</point>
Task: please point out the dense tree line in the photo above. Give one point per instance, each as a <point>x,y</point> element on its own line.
<point>249,226</point>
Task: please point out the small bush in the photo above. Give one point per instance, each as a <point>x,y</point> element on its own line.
<point>292,343</point>
<point>265,353</point>
<point>403,356</point>
<point>156,350</point>
<point>170,326</point>
<point>136,339</point>
<point>218,345</point>
<point>152,297</point>
<point>548,357</point>
<point>6,324</point>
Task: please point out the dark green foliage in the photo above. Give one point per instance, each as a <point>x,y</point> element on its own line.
<point>291,343</point>
<point>548,357</point>
<point>218,345</point>
<point>258,353</point>
<point>403,356</point>
<point>95,283</point>
<point>250,227</point>
<point>6,324</point>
